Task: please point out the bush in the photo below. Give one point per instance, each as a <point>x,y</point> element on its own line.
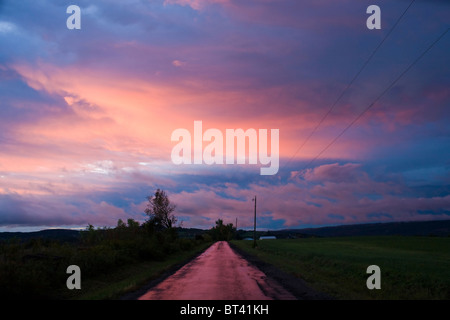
<point>37,269</point>
<point>150,251</point>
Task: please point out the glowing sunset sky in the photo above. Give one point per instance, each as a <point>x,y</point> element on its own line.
<point>86,116</point>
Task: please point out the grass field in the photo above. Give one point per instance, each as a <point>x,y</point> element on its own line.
<point>113,285</point>
<point>112,262</point>
<point>411,267</point>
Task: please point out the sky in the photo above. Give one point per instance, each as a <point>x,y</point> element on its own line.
<point>87,115</point>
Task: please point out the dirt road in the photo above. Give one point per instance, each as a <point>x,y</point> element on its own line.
<point>218,274</point>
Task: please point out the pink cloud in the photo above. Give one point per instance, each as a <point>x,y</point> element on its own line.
<point>196,4</point>
<point>100,103</point>
<point>335,173</point>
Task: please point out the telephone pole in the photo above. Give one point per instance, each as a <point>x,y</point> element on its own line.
<point>254,227</point>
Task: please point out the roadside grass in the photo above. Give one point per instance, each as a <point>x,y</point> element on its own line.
<point>411,267</point>
<point>128,278</point>
<point>112,261</point>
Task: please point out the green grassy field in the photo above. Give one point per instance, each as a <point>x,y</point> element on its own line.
<point>129,278</point>
<point>112,262</point>
<point>411,267</point>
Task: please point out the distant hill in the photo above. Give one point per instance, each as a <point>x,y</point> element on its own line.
<point>67,235</point>
<point>415,228</point>
<point>419,228</point>
<point>190,232</point>
<point>52,234</point>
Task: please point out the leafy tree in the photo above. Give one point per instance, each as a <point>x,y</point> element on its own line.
<point>222,232</point>
<point>132,223</point>
<point>90,235</point>
<point>121,224</point>
<point>159,209</point>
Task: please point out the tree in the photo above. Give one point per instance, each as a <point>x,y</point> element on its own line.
<point>132,224</point>
<point>121,224</point>
<point>159,209</point>
<point>222,232</point>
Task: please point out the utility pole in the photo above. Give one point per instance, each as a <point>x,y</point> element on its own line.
<point>254,227</point>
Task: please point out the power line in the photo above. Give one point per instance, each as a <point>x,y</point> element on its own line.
<point>378,98</point>
<point>350,83</point>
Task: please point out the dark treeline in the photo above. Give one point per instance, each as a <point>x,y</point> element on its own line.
<point>36,268</point>
<point>222,232</point>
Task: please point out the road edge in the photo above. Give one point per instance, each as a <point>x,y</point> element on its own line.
<point>135,294</point>
<point>296,286</point>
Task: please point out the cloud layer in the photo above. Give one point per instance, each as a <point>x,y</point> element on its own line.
<point>86,115</point>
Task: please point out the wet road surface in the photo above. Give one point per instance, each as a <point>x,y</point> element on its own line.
<point>218,274</point>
